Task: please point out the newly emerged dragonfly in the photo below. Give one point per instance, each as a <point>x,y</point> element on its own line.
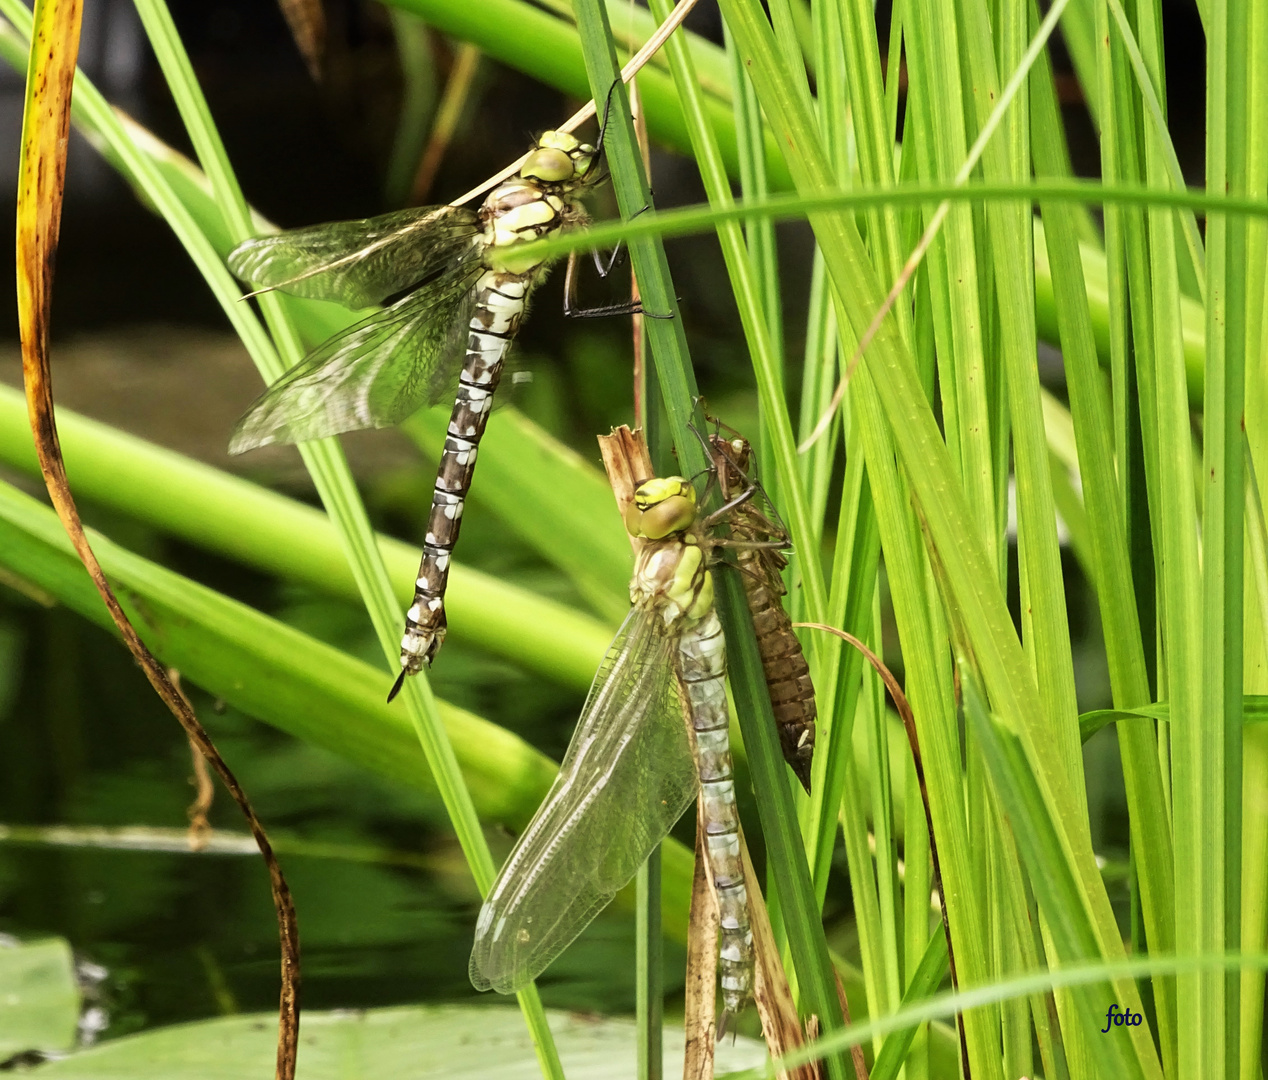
<point>630,770</point>
<point>456,289</point>
<point>757,535</point>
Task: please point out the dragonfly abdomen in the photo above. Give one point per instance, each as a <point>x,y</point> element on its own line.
<point>499,306</point>
<point>792,692</point>
<point>702,658</point>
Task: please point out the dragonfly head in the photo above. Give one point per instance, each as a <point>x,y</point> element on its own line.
<point>558,158</point>
<point>661,506</point>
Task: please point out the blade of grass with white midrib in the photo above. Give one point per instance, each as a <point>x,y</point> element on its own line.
<point>1223,498</point>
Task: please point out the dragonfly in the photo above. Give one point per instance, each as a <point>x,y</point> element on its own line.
<point>633,767</point>
<point>757,535</point>
<point>456,288</point>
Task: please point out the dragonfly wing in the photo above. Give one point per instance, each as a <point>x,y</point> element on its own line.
<point>627,777</point>
<point>360,263</point>
<point>372,375</point>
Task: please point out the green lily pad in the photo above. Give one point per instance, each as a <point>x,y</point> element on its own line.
<point>39,999</point>
<point>408,1043</point>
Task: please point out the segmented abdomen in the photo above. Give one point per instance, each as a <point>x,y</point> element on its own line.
<point>702,667</point>
<point>499,306</point>
<point>792,694</point>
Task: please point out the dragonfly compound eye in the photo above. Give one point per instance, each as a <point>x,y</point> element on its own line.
<point>548,164</point>
<point>662,506</point>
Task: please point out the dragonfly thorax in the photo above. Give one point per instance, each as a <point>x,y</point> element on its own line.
<point>672,573</point>
<point>514,214</point>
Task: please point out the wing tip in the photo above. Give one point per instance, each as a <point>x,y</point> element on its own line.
<point>251,433</point>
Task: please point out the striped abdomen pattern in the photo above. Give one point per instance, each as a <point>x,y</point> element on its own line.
<point>541,201</point>
<point>499,306</point>
<point>702,669</point>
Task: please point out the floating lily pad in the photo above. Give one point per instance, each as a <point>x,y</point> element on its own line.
<point>409,1043</point>
<point>39,1000</point>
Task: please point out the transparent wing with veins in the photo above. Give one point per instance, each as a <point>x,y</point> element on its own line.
<point>358,263</point>
<point>627,777</point>
<point>385,367</point>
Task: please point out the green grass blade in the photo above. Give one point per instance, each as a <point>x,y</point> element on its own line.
<point>647,254</point>
<point>765,355</point>
<point>1113,571</point>
<point>924,982</point>
<point>677,383</point>
<point>1167,154</point>
<point>949,1004</point>
<point>649,970</point>
<point>1175,523</point>
<point>1053,876</point>
<point>1223,500</point>
<point>928,467</point>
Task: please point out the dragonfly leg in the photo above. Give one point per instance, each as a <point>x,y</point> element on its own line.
<point>723,510</point>
<point>630,307</point>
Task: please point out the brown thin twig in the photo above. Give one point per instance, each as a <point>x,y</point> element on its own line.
<point>632,68</point>
<point>41,185</point>
<point>780,1023</point>
<point>909,725</point>
<point>307,22</point>
<point>640,383</point>
<point>700,991</point>
<point>204,788</point>
<point>466,63</point>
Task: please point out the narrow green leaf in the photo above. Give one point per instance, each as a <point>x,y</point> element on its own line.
<point>1254,711</point>
<point>1054,878</point>
<point>928,976</point>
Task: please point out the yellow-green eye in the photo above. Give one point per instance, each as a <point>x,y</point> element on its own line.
<point>670,516</point>
<point>548,164</point>
<point>549,168</point>
<point>659,488</point>
<point>560,140</point>
<point>661,506</point>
